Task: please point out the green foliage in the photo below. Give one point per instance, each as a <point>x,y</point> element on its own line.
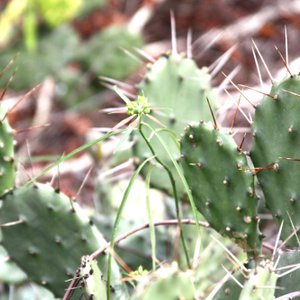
<point>53,12</point>
<point>56,12</point>
<point>73,86</point>
<point>47,60</point>
<point>104,56</point>
<point>75,68</point>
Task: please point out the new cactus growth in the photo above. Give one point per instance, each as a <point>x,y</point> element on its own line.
<point>289,276</point>
<point>276,150</point>
<point>168,282</point>
<point>7,160</point>
<point>177,89</point>
<point>222,187</point>
<point>46,234</point>
<point>261,283</point>
<point>91,279</point>
<point>270,278</point>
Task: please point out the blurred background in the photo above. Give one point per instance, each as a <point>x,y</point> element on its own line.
<point>66,45</point>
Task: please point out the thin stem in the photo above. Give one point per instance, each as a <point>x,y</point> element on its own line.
<point>180,174</point>
<point>172,180</point>
<point>117,221</point>
<point>71,154</point>
<point>145,226</point>
<point>152,228</point>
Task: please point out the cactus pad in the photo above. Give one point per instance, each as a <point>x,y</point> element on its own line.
<point>221,185</point>
<point>50,235</point>
<point>177,88</point>
<point>7,161</point>
<point>261,283</point>
<point>288,283</point>
<point>92,281</point>
<point>166,283</point>
<point>276,149</point>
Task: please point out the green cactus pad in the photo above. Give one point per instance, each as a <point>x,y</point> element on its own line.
<point>9,271</point>
<point>288,283</point>
<point>276,148</point>
<point>176,88</point>
<point>92,282</point>
<point>222,187</point>
<point>50,236</point>
<point>166,283</point>
<point>230,289</point>
<point>261,283</point>
<point>7,160</point>
<point>103,54</point>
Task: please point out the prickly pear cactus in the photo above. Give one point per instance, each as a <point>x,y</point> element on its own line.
<point>166,283</point>
<point>261,283</point>
<point>91,278</point>
<point>103,53</point>
<point>46,235</point>
<point>9,272</point>
<point>221,185</point>
<point>230,289</point>
<point>7,160</point>
<point>276,150</point>
<point>176,88</point>
<point>289,276</point>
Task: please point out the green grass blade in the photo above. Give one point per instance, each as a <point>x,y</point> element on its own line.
<point>118,218</point>
<point>71,154</point>
<point>180,174</point>
<point>151,225</point>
